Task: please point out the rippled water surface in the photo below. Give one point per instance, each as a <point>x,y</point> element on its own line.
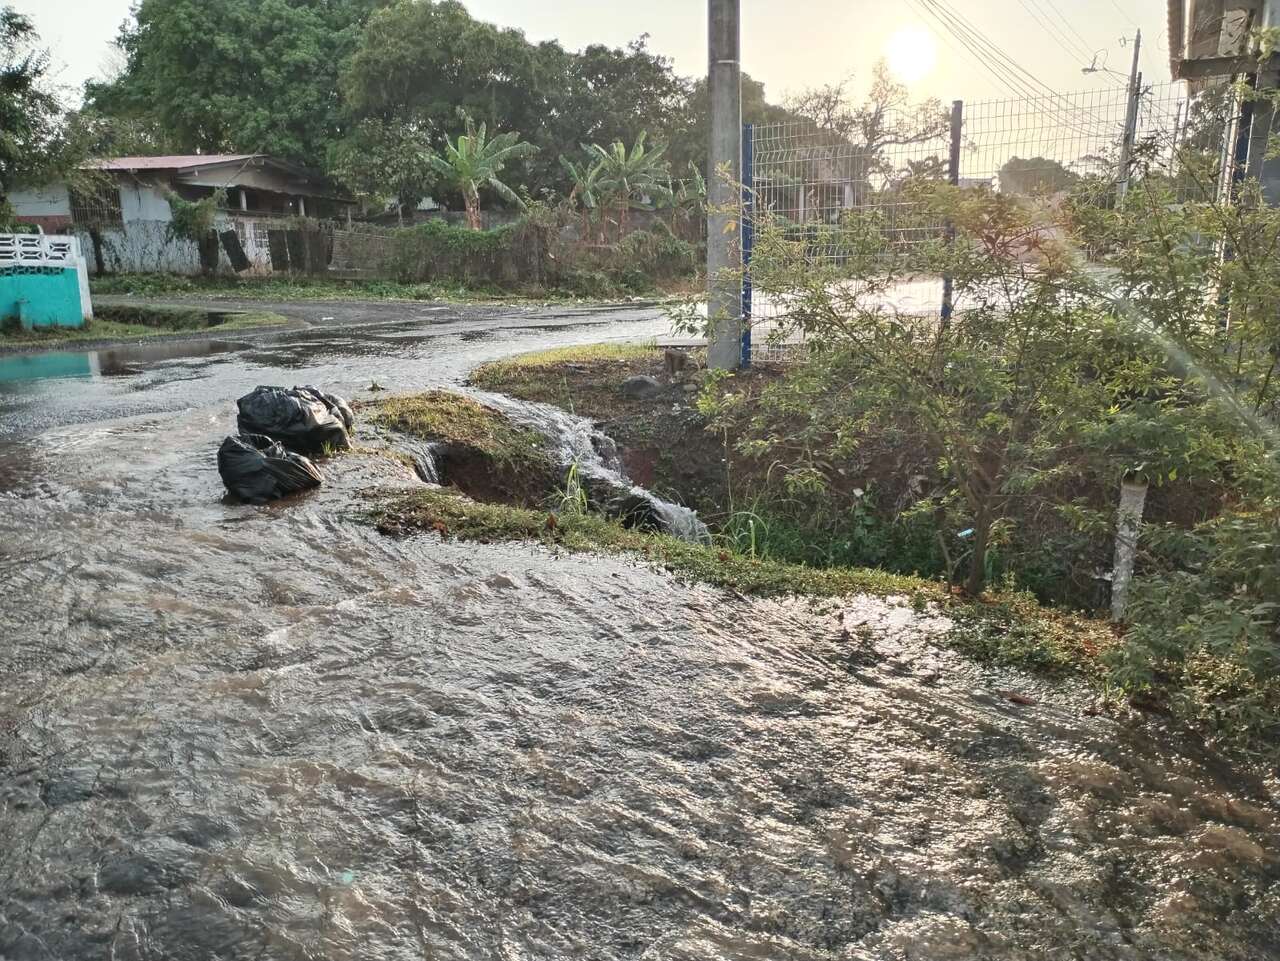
<point>235,732</point>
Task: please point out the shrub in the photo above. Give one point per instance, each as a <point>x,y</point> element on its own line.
<point>438,252</point>
<point>995,442</point>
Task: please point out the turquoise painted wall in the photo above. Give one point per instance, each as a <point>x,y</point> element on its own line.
<point>41,296</point>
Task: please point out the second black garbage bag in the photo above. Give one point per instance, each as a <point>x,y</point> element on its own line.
<point>256,469</point>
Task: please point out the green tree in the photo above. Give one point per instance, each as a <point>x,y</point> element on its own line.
<point>629,177</point>
<point>687,129</point>
<point>421,62</point>
<point>379,161</point>
<point>474,160</point>
<point>615,94</point>
<point>36,142</point>
<point>1035,176</point>
<point>236,75</point>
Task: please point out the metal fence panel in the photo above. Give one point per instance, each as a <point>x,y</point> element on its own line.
<point>809,179</point>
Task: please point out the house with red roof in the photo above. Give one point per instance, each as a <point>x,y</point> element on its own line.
<point>125,221</point>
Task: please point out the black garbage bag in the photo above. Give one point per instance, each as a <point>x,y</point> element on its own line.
<point>257,469</point>
<point>304,419</point>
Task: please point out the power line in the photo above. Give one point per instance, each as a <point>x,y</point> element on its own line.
<point>945,36</point>
<point>1120,10</point>
<point>1020,81</point>
<point>1016,87</point>
<point>1071,27</point>
<point>1071,49</point>
<point>982,42</point>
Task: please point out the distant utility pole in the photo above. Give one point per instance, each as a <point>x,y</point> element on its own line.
<point>1130,118</point>
<point>724,196</point>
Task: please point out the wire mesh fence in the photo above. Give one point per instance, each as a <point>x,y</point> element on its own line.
<point>809,179</point>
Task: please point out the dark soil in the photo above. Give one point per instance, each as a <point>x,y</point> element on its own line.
<point>663,440</point>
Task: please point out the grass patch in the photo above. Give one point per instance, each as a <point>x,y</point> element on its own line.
<point>285,289</point>
<point>112,322</point>
<point>591,353</point>
<point>477,450</point>
<point>1009,630</point>
<point>451,418</point>
<point>582,380</point>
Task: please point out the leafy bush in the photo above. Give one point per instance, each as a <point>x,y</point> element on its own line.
<point>1206,624</point>
<point>993,444</point>
<point>658,254</point>
<point>440,252</point>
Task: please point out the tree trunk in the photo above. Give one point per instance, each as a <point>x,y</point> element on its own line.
<point>473,210</point>
<point>977,578</point>
<point>99,261</point>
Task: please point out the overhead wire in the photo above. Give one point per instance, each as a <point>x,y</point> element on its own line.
<point>1070,48</point>
<point>1016,78</point>
<point>1071,27</point>
<point>965,27</point>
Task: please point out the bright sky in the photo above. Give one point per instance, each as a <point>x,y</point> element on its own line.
<point>789,44</point>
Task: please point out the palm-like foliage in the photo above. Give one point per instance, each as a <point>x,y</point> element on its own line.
<point>585,179</point>
<point>692,194</point>
<point>689,199</point>
<point>474,161</point>
<point>629,177</point>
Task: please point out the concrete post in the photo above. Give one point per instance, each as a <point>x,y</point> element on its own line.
<point>1130,118</point>
<point>724,197</point>
<point>953,178</point>
<point>1133,502</point>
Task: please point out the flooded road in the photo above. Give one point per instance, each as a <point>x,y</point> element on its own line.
<point>237,732</point>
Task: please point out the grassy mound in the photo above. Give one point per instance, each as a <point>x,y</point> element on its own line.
<point>479,451</point>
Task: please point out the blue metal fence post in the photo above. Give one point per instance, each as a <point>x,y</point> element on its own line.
<point>953,177</point>
<point>748,235</point>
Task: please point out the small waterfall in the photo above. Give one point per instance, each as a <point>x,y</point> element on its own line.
<point>577,441</point>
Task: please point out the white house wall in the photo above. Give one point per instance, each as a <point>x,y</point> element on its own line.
<point>147,246</point>
<point>142,246</point>
<point>51,201</point>
<point>144,202</point>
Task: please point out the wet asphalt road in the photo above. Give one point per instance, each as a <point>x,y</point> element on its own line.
<point>343,345</point>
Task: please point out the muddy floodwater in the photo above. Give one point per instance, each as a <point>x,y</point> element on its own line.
<point>270,733</point>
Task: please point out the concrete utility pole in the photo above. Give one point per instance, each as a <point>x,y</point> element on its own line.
<point>724,196</point>
<point>1130,118</point>
<point>1133,503</point>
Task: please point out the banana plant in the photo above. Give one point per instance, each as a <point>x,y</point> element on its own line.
<point>585,179</point>
<point>630,177</point>
<point>474,160</point>
<point>690,197</point>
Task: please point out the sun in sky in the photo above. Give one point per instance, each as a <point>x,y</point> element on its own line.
<point>912,53</point>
